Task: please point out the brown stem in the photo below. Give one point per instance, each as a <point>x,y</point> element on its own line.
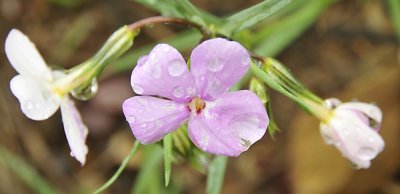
<point>167,20</point>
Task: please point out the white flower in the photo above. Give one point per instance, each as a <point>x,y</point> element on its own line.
<point>353,130</point>
<point>39,99</point>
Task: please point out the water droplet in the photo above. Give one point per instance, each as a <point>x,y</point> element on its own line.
<point>29,105</point>
<point>153,56</point>
<point>142,102</point>
<point>86,92</point>
<point>142,60</point>
<point>245,60</point>
<point>245,142</point>
<point>366,153</point>
<point>137,89</point>
<point>156,72</point>
<point>143,125</point>
<point>166,49</point>
<point>159,124</point>
<point>215,65</point>
<point>190,91</point>
<point>176,68</point>
<point>131,118</point>
<point>178,91</point>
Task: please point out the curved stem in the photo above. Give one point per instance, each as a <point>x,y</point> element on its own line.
<point>167,20</point>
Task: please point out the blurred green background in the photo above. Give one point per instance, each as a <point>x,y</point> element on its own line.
<point>350,51</point>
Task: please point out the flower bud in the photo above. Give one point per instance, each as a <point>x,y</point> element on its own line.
<point>353,130</point>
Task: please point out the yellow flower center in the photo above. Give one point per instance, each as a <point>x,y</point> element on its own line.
<point>197,105</point>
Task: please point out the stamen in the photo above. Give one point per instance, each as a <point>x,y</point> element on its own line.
<point>196,105</point>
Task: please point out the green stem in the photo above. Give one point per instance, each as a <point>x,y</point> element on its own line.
<point>120,169</point>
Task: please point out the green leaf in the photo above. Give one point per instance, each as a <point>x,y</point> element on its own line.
<point>272,126</point>
<point>394,9</point>
<point>216,173</point>
<point>149,179</point>
<point>25,172</point>
<point>181,9</point>
<point>167,143</point>
<point>273,38</point>
<point>120,169</point>
<point>253,15</point>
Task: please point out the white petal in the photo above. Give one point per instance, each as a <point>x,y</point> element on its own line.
<point>75,130</point>
<point>354,138</point>
<point>37,100</point>
<point>370,110</point>
<point>24,56</point>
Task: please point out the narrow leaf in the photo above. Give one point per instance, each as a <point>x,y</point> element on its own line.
<point>253,15</point>
<point>216,173</point>
<point>167,157</point>
<point>149,170</point>
<point>394,9</point>
<point>120,169</point>
<point>25,172</point>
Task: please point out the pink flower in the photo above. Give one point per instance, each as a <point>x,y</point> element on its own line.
<point>353,130</point>
<point>219,122</point>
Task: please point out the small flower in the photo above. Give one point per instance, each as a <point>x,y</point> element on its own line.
<point>219,122</point>
<point>39,99</point>
<point>353,129</point>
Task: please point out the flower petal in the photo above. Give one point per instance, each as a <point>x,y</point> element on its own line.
<point>24,56</point>
<point>370,110</point>
<point>216,65</point>
<point>163,73</point>
<point>151,118</point>
<point>75,130</point>
<point>37,100</point>
<point>353,137</point>
<point>229,125</point>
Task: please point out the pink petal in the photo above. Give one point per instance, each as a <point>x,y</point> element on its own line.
<point>216,65</point>
<point>230,124</point>
<point>163,73</point>
<point>75,130</point>
<point>151,118</point>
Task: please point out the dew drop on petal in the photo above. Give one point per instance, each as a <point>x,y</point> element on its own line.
<point>153,57</point>
<point>245,142</point>
<point>245,60</point>
<point>214,65</point>
<point>190,91</point>
<point>29,105</point>
<point>156,72</point>
<point>137,88</point>
<point>131,118</point>
<point>178,91</point>
<point>166,49</point>
<point>159,124</point>
<point>366,153</point>
<point>176,68</point>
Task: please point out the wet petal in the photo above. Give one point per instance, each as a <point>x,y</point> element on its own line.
<point>353,137</point>
<point>369,110</point>
<point>216,65</point>
<point>75,130</point>
<point>37,100</point>
<point>163,73</point>
<point>151,118</point>
<point>24,56</point>
<point>229,125</point>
